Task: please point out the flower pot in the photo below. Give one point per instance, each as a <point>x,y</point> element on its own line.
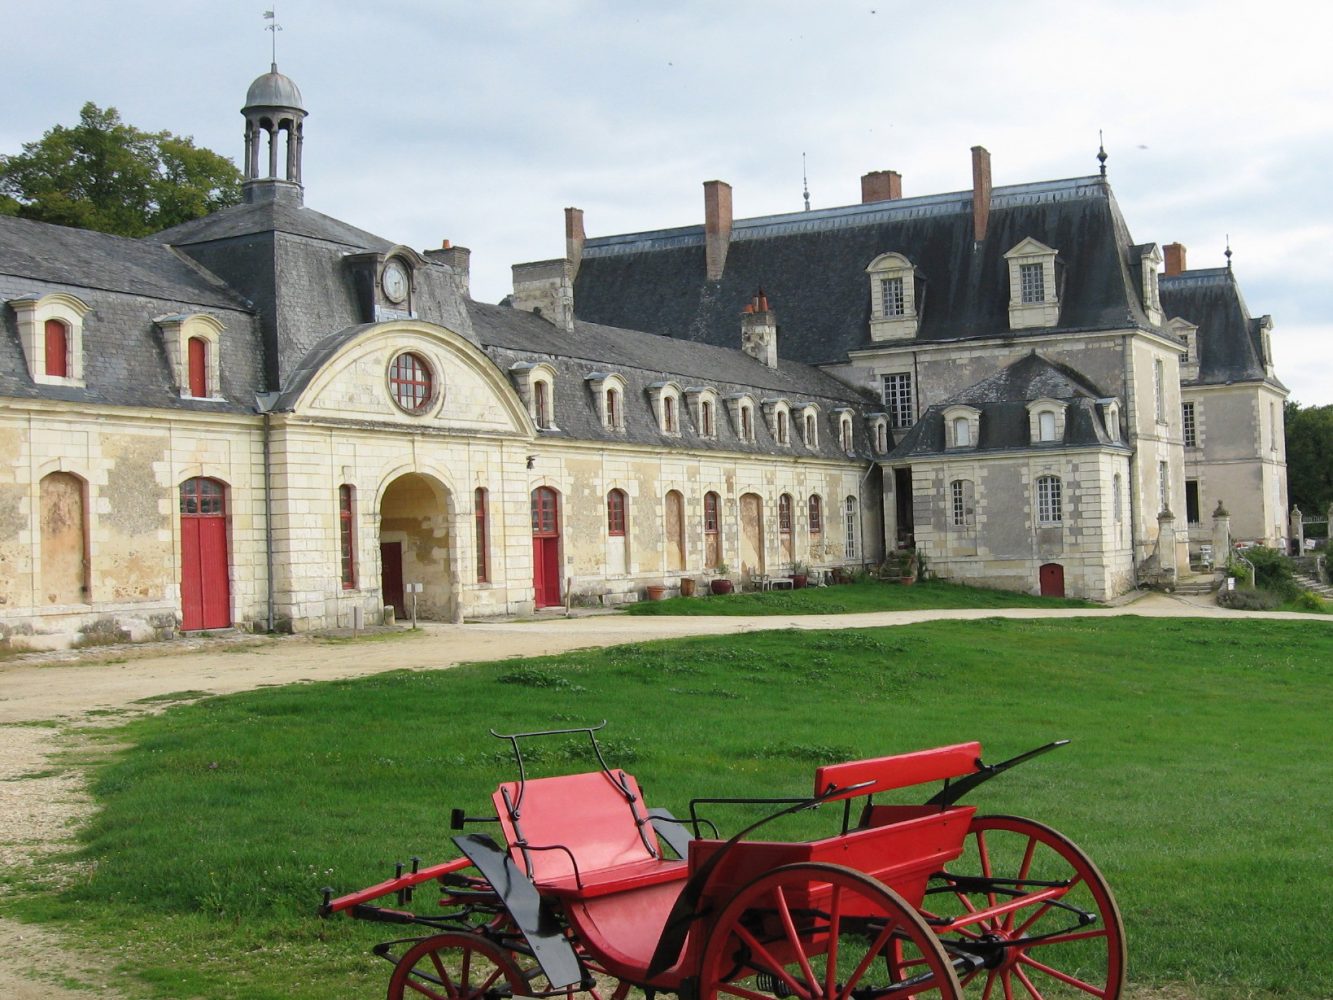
<point>687,586</point>
<point>798,580</point>
<point>721,586</point>
<point>905,580</point>
<point>656,592</point>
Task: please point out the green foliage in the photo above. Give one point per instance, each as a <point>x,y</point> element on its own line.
<point>1309,437</point>
<point>106,175</point>
<point>1310,602</point>
<point>1272,571</point>
<point>1246,599</point>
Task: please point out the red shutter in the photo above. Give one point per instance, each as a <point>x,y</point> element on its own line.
<point>198,368</point>
<point>57,349</point>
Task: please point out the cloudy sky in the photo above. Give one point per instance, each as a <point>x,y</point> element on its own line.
<point>480,121</point>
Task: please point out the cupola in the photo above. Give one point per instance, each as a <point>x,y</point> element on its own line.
<point>273,109</point>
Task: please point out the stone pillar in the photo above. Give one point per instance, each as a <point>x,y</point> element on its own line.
<point>1221,535</point>
<point>1166,547</point>
<point>1296,531</point>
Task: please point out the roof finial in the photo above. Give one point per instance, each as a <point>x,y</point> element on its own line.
<point>805,182</point>
<point>1227,252</point>
<point>1101,152</point>
<point>273,27</point>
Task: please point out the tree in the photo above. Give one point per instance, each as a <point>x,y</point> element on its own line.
<point>103,174</point>
<point>1309,457</point>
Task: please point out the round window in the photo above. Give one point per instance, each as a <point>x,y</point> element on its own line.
<point>411,382</point>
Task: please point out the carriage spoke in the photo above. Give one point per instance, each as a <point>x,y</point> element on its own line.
<point>794,939</point>
<point>428,994</point>
<point>443,973</point>
<point>770,963</point>
<point>1023,870</point>
<point>831,958</point>
<point>984,855</point>
<point>1063,977</point>
<point>1028,985</point>
<point>881,942</point>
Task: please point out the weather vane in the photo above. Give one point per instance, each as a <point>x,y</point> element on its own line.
<point>273,26</point>
<point>805,181</point>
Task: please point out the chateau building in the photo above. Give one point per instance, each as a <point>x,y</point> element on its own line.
<point>270,418</point>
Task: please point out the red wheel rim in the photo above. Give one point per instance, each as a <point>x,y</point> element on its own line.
<point>820,932</point>
<point>455,966</point>
<point>1038,918</point>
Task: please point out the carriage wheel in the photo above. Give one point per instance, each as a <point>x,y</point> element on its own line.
<point>823,932</point>
<point>1064,939</point>
<point>456,966</point>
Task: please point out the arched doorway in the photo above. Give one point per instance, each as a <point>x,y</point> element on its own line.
<point>1052,579</point>
<point>675,530</point>
<point>205,574</point>
<point>546,546</point>
<point>752,534</point>
<point>417,547</point>
<point>64,539</point>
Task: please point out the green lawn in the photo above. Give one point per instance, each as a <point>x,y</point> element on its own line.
<point>850,598</point>
<point>1198,779</point>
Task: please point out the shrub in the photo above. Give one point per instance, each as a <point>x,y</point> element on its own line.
<point>1272,571</point>
<point>1248,600</point>
<point>1309,601</point>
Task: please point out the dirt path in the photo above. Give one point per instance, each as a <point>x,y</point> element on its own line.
<point>43,698</point>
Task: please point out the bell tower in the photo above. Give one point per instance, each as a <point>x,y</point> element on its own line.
<point>273,112</point>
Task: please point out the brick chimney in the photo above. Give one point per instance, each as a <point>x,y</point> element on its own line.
<point>545,287</point>
<point>759,330</point>
<point>980,192</point>
<point>1175,258</point>
<point>717,226</point>
<point>458,260</point>
<point>881,185</point>
<point>574,237</point>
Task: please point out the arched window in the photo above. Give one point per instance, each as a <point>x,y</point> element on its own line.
<point>962,431</point>
<point>57,349</point>
<point>669,414</point>
<point>64,570</point>
<point>198,367</point>
<point>849,517</point>
<point>881,437</point>
<point>811,430</point>
<point>1045,426</point>
<point>782,427</point>
<point>747,424</point>
<point>962,494</point>
<point>845,433</point>
<point>541,394</point>
<point>712,538</point>
<point>615,513</point>
<point>347,535</point>
<point>1050,501</point>
<point>480,513</point>
<point>410,382</point>
<point>784,514</point>
<point>1117,501</point>
<point>816,514</point>
<point>675,530</point>
<point>613,408</point>
<point>706,418</point>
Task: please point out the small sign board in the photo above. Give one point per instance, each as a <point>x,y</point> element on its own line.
<point>413,588</point>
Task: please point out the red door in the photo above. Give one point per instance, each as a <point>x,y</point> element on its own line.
<point>205,580</point>
<point>545,547</point>
<point>1052,577</point>
<point>391,577</point>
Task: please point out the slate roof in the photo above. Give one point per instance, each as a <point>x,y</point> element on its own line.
<point>1002,399</point>
<point>283,214</point>
<point>812,266</point>
<point>1229,341</point>
<point>511,336</point>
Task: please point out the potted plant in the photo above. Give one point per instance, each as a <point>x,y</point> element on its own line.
<point>687,586</point>
<point>721,584</point>
<point>904,565</point>
<point>656,591</point>
<point>800,575</point>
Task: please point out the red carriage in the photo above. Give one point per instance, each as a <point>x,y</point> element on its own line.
<point>595,892</point>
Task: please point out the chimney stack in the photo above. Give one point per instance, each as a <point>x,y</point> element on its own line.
<point>545,287</point>
<point>1175,258</point>
<point>574,237</point>
<point>759,330</point>
<point>980,192</point>
<point>881,185</point>
<point>717,226</point>
<point>458,260</point>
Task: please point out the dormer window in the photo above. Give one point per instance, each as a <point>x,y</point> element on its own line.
<point>1152,300</point>
<point>782,427</point>
<point>609,393</point>
<point>703,408</point>
<point>536,387</point>
<point>51,331</point>
<point>1111,418</point>
<point>742,415</point>
<point>810,426</point>
<point>1033,300</point>
<point>193,344</point>
<point>1046,421</point>
<point>1188,334</point>
<point>845,441</point>
<point>778,414</point>
<point>665,399</point>
<point>893,297</point>
<point>962,426</point>
<point>879,432</point>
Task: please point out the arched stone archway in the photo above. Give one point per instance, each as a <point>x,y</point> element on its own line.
<point>417,546</point>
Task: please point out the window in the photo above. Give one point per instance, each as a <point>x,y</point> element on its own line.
<point>1192,501</point>
<point>784,514</point>
<point>881,437</point>
<point>816,514</point>
<point>845,433</point>
<point>57,349</point>
<point>347,535</point>
<point>615,513</point>
<point>1272,427</point>
<point>613,408</point>
<point>1187,424</point>
<point>544,512</point>
<point>1032,281</point>
<point>712,540</point>
<point>710,513</point>
<point>891,294</point>
<point>410,382</point>
<point>962,495</point>
<point>198,367</point>
<point>1046,426</point>
<point>669,414</point>
<point>1164,485</point>
<point>480,513</point>
<point>849,517</point>
<point>898,399</point>
<point>64,524</point>
<point>1117,498</point>
<point>541,402</point>
<point>962,432</point>
<point>747,424</point>
<point>1159,389</point>
<point>811,429</point>
<point>1050,503</point>
<point>782,426</point>
<point>706,418</point>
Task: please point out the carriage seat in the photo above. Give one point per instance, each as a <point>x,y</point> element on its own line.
<point>584,835</point>
<point>881,774</point>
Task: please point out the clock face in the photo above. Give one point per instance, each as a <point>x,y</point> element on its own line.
<point>394,282</point>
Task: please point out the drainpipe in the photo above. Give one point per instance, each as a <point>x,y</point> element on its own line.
<point>264,402</point>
